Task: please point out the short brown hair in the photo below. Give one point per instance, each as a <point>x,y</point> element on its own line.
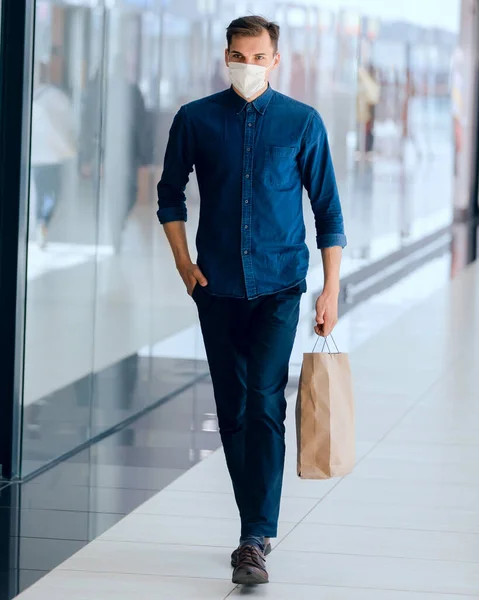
<point>252,27</point>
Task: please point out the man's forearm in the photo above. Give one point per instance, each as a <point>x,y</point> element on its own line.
<point>176,234</point>
<point>331,267</point>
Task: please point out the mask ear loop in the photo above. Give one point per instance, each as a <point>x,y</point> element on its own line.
<point>274,60</point>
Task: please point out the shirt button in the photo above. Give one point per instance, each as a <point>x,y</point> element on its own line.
<point>246,226</point>
<point>250,125</point>
<point>248,149</point>
<point>247,176</point>
<point>246,201</point>
<point>246,251</point>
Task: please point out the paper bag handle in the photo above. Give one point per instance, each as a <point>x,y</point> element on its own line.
<point>326,344</point>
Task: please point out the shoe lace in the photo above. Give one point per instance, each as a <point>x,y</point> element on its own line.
<point>250,556</point>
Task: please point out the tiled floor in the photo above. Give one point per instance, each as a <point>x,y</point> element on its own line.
<point>403,526</point>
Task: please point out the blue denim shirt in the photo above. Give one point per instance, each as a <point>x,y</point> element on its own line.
<point>252,161</point>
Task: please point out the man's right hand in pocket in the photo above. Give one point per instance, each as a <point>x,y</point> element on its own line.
<point>192,276</point>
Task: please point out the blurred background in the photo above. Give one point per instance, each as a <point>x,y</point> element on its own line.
<point>109,327</point>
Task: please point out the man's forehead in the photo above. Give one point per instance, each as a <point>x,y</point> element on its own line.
<point>260,44</point>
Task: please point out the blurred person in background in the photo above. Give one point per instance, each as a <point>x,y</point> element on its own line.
<point>254,151</point>
<point>53,145</point>
<point>127,141</point>
<point>372,112</point>
<point>90,127</point>
<point>368,95</point>
<point>457,104</point>
<point>408,134</point>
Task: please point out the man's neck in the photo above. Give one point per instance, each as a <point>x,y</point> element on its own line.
<point>253,98</point>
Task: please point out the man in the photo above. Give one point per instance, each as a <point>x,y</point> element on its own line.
<point>253,150</point>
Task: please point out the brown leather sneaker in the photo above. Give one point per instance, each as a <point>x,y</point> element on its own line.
<point>235,554</point>
<point>251,567</point>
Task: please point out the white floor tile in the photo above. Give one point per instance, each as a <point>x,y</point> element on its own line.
<point>192,504</point>
<point>393,515</point>
<point>285,591</point>
<point>76,585</point>
<point>369,541</point>
<point>439,435</point>
<point>294,487</point>
<point>363,448</point>
<point>447,455</point>
<point>374,572</point>
<point>209,477</point>
<point>186,531</point>
<point>152,559</point>
<point>427,495</point>
<point>413,470</point>
<point>374,427</point>
<point>385,378</point>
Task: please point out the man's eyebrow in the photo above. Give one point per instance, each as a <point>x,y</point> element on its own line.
<point>237,52</point>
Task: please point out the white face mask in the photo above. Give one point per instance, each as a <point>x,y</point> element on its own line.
<point>248,79</point>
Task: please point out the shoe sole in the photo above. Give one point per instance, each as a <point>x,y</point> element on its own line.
<point>249,579</point>
<point>234,561</point>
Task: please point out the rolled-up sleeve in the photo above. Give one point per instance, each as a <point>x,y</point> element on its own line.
<point>320,182</point>
<point>179,161</point>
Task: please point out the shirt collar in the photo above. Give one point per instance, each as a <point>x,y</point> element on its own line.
<point>260,104</point>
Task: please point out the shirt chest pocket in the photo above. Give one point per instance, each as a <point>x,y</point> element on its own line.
<point>280,167</point>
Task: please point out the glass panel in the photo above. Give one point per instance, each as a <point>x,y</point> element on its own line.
<point>62,237</point>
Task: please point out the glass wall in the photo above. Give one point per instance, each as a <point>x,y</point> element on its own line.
<point>109,328</point>
<point>63,224</point>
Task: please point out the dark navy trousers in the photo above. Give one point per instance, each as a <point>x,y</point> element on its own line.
<point>248,345</point>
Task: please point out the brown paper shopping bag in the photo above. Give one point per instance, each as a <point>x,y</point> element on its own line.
<point>325,416</point>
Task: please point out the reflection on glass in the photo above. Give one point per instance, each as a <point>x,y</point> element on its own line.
<point>54,144</point>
